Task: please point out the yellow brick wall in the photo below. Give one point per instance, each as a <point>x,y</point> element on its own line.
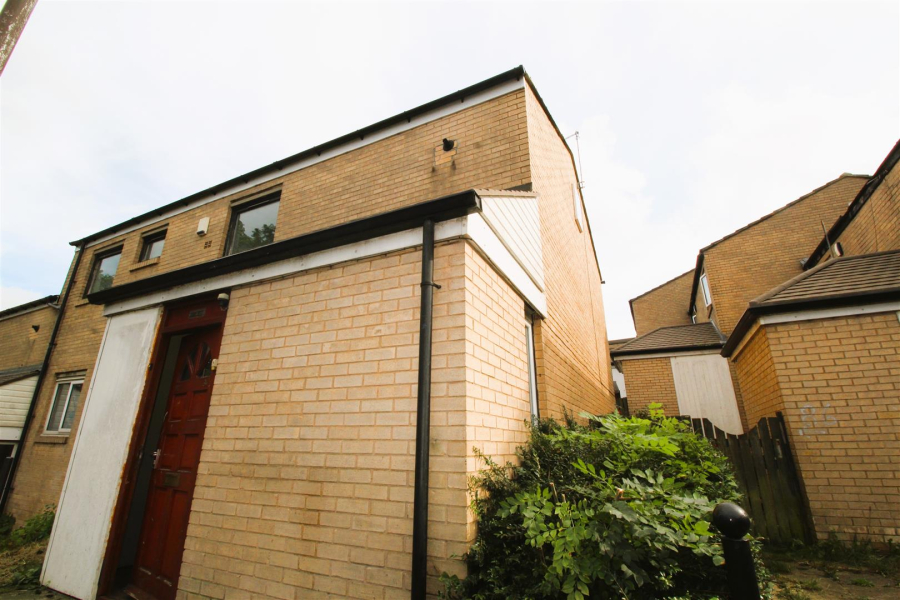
<point>756,376</point>
<point>385,175</point>
<point>767,254</point>
<point>664,306</point>
<point>573,362</point>
<point>388,174</point>
<point>20,345</point>
<point>839,380</point>
<point>650,381</point>
<point>307,468</point>
<point>44,459</point>
<point>877,226</point>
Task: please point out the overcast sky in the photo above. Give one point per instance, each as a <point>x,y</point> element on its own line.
<point>695,118</point>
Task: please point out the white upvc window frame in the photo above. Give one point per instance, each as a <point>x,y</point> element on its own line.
<point>73,381</point>
<point>704,289</point>
<point>530,356</point>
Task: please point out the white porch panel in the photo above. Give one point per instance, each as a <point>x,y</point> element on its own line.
<point>83,517</point>
<point>15,398</point>
<point>704,390</point>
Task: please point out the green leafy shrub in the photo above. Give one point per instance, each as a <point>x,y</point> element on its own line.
<point>35,529</point>
<point>620,508</point>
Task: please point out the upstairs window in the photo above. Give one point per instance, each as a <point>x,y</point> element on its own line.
<point>704,286</point>
<point>65,404</point>
<point>153,245</point>
<point>252,225</point>
<point>104,270</point>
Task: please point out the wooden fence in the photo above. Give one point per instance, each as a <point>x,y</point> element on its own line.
<point>767,475</point>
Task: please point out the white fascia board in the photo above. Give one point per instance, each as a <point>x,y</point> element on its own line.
<point>10,434</point>
<point>669,354</point>
<point>829,313</point>
<point>444,230</point>
<point>438,113</point>
<point>495,251</point>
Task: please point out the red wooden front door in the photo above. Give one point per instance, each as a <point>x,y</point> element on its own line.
<point>175,468</point>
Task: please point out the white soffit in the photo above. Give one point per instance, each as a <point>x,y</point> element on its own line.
<point>829,313</point>
<point>516,221</point>
<point>438,113</point>
<point>84,513</point>
<point>663,354</point>
<point>472,227</point>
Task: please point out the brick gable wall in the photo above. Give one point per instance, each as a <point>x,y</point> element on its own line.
<point>650,381</point>
<point>768,253</point>
<point>665,306</point>
<point>574,369</point>
<point>877,225</point>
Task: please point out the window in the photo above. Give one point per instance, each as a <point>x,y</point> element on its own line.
<point>104,272</point>
<point>65,404</point>
<point>252,225</point>
<point>153,245</point>
<point>704,286</point>
<point>532,367</point>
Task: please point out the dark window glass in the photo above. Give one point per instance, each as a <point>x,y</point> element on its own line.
<point>65,405</point>
<point>252,227</point>
<point>104,271</point>
<point>153,246</point>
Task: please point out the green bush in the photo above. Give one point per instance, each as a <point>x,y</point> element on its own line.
<point>620,508</point>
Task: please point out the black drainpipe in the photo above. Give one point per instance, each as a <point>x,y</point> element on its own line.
<point>7,486</point>
<point>423,416</point>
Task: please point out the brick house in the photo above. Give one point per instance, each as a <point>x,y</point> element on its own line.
<point>25,332</point>
<point>682,324</point>
<point>823,348</point>
<point>447,244</point>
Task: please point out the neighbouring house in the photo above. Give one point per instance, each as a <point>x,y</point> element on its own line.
<point>24,336</point>
<point>823,348</point>
<point>663,306</point>
<point>251,357</point>
<point>682,324</point>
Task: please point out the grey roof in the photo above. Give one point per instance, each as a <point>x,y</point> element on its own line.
<point>16,373</point>
<point>673,339</point>
<point>845,277</point>
<point>846,281</point>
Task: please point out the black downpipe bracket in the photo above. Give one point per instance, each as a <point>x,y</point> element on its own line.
<point>7,485</point>
<point>423,417</point>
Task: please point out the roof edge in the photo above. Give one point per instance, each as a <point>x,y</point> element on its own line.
<point>638,297</point>
<point>855,206</point>
<point>51,299</point>
<point>278,165</point>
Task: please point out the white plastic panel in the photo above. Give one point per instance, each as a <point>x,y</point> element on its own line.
<point>516,222</point>
<point>15,397</point>
<point>704,389</point>
<point>84,514</point>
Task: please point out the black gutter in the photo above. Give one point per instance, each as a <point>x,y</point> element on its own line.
<point>616,354</point>
<point>698,269</point>
<point>7,485</point>
<point>835,301</point>
<point>315,151</point>
<point>855,206</point>
<point>29,305</point>
<point>423,418</point>
<point>409,217</point>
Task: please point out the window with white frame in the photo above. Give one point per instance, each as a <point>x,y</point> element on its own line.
<point>704,287</point>
<point>532,367</point>
<point>576,201</point>
<point>65,405</point>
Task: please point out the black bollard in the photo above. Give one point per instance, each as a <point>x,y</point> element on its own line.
<point>733,523</point>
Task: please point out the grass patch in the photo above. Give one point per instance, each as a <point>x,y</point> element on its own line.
<point>862,582</point>
<point>22,550</point>
<point>810,585</point>
<point>793,594</point>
